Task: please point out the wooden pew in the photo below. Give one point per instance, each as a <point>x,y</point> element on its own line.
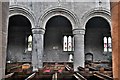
<point>79,76</point>
<point>55,76</point>
<point>9,75</point>
<point>68,68</point>
<point>81,68</point>
<point>31,76</point>
<point>102,76</point>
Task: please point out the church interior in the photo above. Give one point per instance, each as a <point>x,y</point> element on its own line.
<point>57,45</point>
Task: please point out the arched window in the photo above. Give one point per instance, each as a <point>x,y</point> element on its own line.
<point>68,43</point>
<point>30,43</point>
<point>107,44</point>
<point>65,43</point>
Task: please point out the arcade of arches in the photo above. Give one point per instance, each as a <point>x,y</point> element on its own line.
<point>57,27</point>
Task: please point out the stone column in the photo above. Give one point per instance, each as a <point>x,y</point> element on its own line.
<point>37,52</point>
<point>4,12</point>
<point>79,48</point>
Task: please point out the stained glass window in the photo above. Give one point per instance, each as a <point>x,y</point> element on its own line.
<point>65,43</point>
<point>107,44</point>
<point>68,43</point>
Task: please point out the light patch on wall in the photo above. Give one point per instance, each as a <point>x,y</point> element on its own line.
<point>30,43</point>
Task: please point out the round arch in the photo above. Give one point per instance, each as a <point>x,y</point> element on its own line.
<point>96,12</point>
<point>19,10</point>
<point>58,11</point>
<point>56,28</point>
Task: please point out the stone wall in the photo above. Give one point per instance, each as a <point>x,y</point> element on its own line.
<point>78,8</point>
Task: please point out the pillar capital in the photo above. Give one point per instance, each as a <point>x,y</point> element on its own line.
<point>38,30</point>
<point>78,31</point>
